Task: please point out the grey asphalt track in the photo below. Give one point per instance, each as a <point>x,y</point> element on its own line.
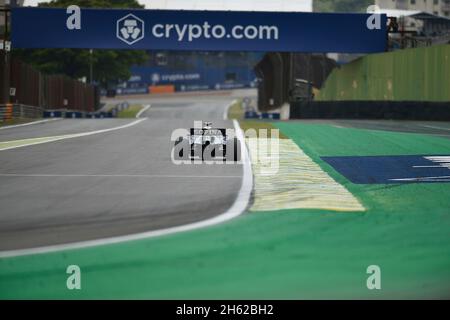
<point>59,127</point>
<point>110,184</point>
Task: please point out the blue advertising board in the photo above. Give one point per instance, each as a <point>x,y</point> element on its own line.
<point>197,30</point>
<point>195,78</point>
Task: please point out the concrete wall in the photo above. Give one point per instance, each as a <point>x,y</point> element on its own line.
<point>405,75</point>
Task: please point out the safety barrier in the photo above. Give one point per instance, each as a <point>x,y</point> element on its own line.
<point>420,74</point>
<point>75,114</point>
<point>71,114</point>
<point>120,107</point>
<point>6,112</point>
<point>15,111</point>
<point>401,110</point>
<point>262,115</point>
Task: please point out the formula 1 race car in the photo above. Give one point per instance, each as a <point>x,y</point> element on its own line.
<point>207,143</point>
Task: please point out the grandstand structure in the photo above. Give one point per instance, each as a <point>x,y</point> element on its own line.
<point>435,7</point>
<point>419,23</point>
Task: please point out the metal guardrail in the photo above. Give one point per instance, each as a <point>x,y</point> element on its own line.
<point>19,111</point>
<point>120,107</point>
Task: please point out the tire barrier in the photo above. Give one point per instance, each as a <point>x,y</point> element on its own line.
<point>74,114</point>
<point>15,111</point>
<point>53,114</point>
<point>8,112</point>
<point>393,110</point>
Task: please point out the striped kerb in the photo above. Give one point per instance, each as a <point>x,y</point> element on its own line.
<point>297,183</point>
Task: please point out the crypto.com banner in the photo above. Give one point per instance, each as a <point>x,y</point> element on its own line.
<point>197,30</point>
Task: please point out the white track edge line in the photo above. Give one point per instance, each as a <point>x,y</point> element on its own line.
<point>138,115</point>
<point>239,206</point>
<point>68,136</point>
<point>227,108</point>
<point>435,127</point>
<point>37,175</point>
<point>29,123</point>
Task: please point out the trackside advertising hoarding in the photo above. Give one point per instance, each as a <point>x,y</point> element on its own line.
<point>197,30</point>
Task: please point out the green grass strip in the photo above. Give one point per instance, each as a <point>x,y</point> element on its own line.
<point>130,112</point>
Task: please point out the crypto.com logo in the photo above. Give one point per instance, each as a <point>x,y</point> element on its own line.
<point>130,29</point>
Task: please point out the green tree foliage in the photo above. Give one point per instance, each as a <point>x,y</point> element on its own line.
<point>109,66</point>
<point>342,5</point>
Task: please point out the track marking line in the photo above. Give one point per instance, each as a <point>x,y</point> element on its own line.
<point>429,179</point>
<point>227,108</point>
<point>14,144</point>
<point>299,183</point>
<point>238,207</point>
<point>435,127</point>
<point>29,123</point>
<point>38,175</point>
<point>428,166</point>
<point>138,115</point>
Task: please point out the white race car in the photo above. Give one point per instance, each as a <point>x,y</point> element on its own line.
<point>208,143</point>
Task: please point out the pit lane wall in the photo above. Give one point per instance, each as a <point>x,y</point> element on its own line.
<point>421,74</point>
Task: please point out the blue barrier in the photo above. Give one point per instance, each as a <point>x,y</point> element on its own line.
<point>101,115</point>
<point>271,116</point>
<point>74,114</point>
<point>52,114</point>
<point>264,115</point>
<point>251,115</point>
<point>79,114</point>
